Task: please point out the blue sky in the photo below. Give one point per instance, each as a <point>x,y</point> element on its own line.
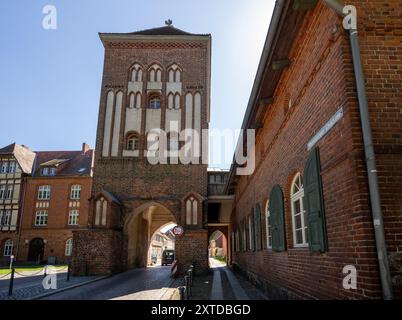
<point>50,79</point>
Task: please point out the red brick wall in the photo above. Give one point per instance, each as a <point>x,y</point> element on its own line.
<point>318,82</point>
<point>57,231</point>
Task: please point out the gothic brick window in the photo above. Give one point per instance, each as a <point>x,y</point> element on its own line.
<point>299,219</point>
<point>136,73</point>
<point>131,103</point>
<point>170,101</point>
<point>44,192</point>
<point>268,226</point>
<point>177,101</point>
<point>69,247</point>
<point>8,248</point>
<point>41,218</point>
<point>191,211</point>
<point>75,193</point>
<point>133,141</point>
<point>155,74</point>
<point>100,212</point>
<point>174,73</point>
<point>154,102</point>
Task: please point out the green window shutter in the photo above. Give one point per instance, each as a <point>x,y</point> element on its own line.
<point>258,227</point>
<point>276,208</point>
<point>252,230</point>
<point>314,203</point>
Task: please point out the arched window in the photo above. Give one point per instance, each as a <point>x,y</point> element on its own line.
<point>155,73</point>
<point>191,211</point>
<point>268,226</point>
<point>154,102</point>
<point>131,104</point>
<point>136,73</point>
<point>177,101</point>
<point>177,76</point>
<point>75,193</point>
<point>44,192</point>
<point>69,247</point>
<point>132,141</point>
<point>138,100</point>
<point>100,212</point>
<point>170,101</point>
<point>171,75</point>
<point>300,236</point>
<point>8,248</point>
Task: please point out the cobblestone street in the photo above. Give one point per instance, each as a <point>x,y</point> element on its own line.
<point>137,284</point>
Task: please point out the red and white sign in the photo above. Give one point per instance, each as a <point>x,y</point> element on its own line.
<point>178,230</point>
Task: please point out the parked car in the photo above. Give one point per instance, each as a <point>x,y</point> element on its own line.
<point>167,257</point>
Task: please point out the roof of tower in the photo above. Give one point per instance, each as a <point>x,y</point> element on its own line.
<point>167,30</point>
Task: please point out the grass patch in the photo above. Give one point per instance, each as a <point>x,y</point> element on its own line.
<point>5,270</point>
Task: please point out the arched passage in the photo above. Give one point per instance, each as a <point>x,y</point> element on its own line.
<point>139,229</point>
<point>217,249</point>
<point>162,239</point>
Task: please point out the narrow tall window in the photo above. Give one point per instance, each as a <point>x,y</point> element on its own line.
<point>300,235</point>
<point>9,192</point>
<point>170,101</point>
<point>268,226</point>
<point>191,211</point>
<point>178,76</point>
<point>100,212</point>
<point>73,217</point>
<point>69,247</point>
<point>138,101</point>
<point>136,73</point>
<point>171,75</point>
<point>41,218</point>
<point>4,167</point>
<point>44,193</point>
<point>177,101</point>
<point>5,218</point>
<point>8,248</point>
<point>132,101</point>
<point>75,193</point>
<point>2,191</point>
<point>11,168</point>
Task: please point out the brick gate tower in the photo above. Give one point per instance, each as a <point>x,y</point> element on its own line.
<point>152,79</point>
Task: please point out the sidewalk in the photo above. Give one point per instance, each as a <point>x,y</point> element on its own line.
<point>32,287</point>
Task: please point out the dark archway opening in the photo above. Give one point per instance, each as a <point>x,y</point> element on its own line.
<point>36,250</point>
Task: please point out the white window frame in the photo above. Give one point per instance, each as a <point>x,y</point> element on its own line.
<point>69,247</point>
<point>5,218</point>
<point>73,217</point>
<point>41,217</point>
<point>8,248</point>
<point>298,195</point>
<point>2,191</point>
<point>268,226</point>
<point>4,167</point>
<point>44,192</point>
<point>75,193</point>
<point>8,194</point>
<point>12,166</point>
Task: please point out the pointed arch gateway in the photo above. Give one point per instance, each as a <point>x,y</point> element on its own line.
<point>140,226</point>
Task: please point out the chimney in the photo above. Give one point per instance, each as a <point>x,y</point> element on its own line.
<point>85,148</point>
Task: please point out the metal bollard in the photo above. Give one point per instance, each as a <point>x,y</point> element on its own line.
<point>10,288</point>
<point>187,284</point>
<point>191,274</point>
<point>182,292</point>
<point>45,271</point>
<point>68,272</point>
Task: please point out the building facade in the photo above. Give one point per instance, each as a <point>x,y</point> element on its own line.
<point>56,203</point>
<point>304,215</point>
<point>16,163</point>
<point>156,79</point>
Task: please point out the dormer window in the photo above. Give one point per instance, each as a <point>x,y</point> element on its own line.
<point>45,171</point>
<point>52,171</point>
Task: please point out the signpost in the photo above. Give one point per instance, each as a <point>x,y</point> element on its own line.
<point>178,230</point>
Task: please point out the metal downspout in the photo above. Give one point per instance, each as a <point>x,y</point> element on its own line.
<point>382,255</point>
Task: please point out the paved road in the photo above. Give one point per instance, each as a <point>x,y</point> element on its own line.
<point>137,284</point>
